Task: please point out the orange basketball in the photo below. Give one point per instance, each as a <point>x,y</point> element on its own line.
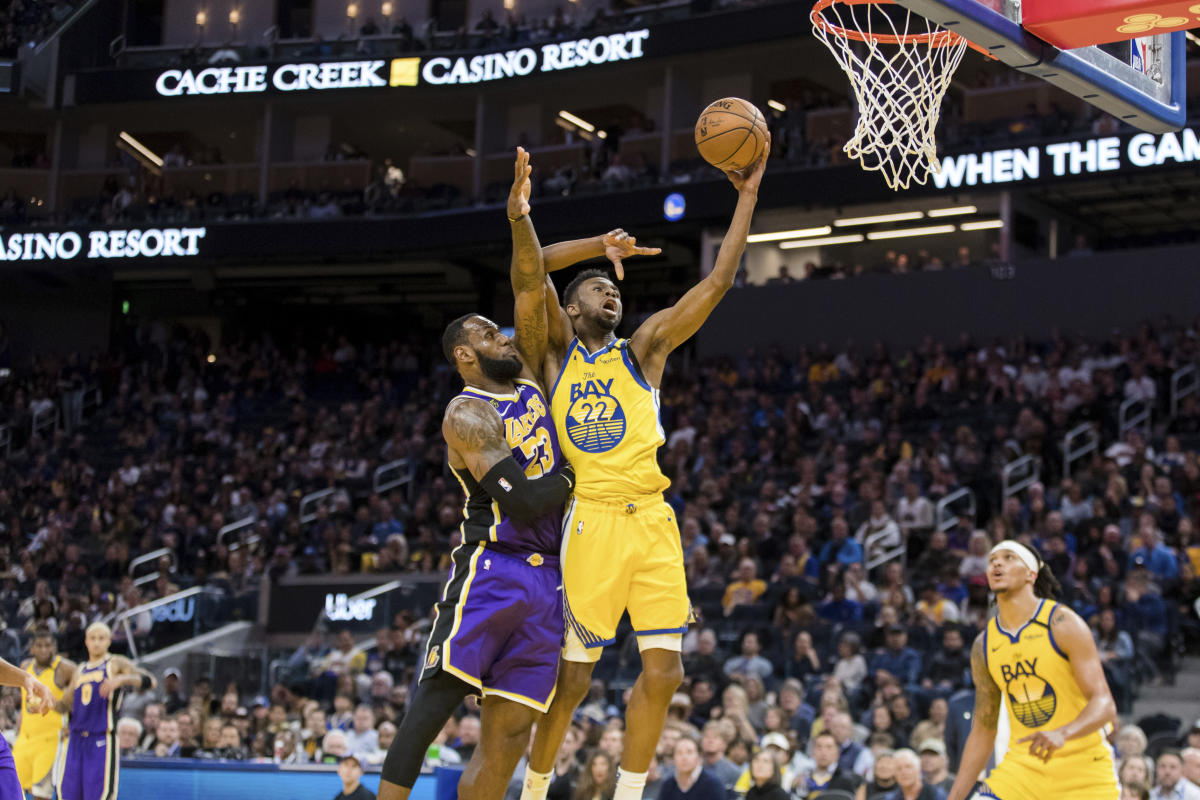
<point>731,134</point>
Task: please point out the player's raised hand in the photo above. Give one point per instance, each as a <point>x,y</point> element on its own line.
<point>620,245</point>
<point>40,700</point>
<point>747,180</point>
<point>518,196</point>
<point>1042,744</point>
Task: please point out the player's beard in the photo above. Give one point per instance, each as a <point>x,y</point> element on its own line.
<point>500,369</point>
<point>604,323</point>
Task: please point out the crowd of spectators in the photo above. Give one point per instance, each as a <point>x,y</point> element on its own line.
<point>792,473</point>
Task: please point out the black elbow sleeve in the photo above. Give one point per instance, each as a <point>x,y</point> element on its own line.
<point>523,499</point>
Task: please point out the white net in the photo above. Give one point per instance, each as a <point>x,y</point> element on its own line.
<point>900,65</point>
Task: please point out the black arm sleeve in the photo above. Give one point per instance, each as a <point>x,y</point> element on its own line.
<point>523,499</point>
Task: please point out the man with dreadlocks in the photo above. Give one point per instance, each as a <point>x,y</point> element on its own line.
<point>1041,655</point>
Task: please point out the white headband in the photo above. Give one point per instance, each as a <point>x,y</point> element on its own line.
<point>1027,556</point>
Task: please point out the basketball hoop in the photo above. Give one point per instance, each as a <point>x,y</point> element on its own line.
<point>900,65</point>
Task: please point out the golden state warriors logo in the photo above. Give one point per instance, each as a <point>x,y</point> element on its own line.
<point>595,420</point>
<point>1031,698</point>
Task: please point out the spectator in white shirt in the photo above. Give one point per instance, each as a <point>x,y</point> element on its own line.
<point>363,738</point>
<point>915,512</point>
<point>1140,386</point>
<point>1171,785</point>
<point>881,528</point>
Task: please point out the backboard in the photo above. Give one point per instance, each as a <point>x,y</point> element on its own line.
<point>1141,81</point>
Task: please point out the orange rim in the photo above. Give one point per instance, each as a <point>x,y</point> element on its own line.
<point>942,38</point>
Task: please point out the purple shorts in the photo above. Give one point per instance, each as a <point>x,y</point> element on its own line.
<point>499,625</point>
<point>10,787</point>
<point>90,767</point>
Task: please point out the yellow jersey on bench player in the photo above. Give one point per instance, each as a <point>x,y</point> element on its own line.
<point>621,548</point>
<point>1041,693</point>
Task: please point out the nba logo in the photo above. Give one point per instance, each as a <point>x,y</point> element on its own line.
<point>505,485</point>
<point>1137,56</point>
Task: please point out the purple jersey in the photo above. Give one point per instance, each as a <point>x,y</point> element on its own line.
<point>89,711</point>
<point>534,442</point>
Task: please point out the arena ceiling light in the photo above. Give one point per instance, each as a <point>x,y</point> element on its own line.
<point>850,238</point>
<point>139,150</point>
<point>799,233</point>
<point>905,233</point>
<point>952,212</point>
<point>775,104</point>
<point>577,122</point>
<point>982,225</point>
<point>901,216</point>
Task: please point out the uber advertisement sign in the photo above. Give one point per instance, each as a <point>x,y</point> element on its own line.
<point>327,76</point>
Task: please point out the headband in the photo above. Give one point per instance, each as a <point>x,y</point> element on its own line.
<point>1027,556</point>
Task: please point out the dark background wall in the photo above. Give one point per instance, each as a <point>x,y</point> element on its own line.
<point>56,309</point>
<point>1091,295</point>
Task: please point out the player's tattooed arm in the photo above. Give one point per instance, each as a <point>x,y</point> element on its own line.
<point>978,748</point>
<point>476,436</point>
<point>528,271</point>
<point>987,693</point>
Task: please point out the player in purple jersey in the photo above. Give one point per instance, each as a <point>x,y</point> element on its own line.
<point>499,622</point>
<point>40,700</point>
<point>92,758</point>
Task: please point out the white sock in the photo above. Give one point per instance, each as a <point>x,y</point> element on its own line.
<point>536,784</point>
<point>629,785</point>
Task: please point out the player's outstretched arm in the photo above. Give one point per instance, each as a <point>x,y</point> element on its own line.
<point>673,326</point>
<point>126,675</point>
<point>12,675</point>
<point>476,438</point>
<point>527,273</point>
<point>982,738</point>
<point>1074,639</point>
<point>65,672</point>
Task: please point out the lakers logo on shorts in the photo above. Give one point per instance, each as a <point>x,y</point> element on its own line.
<point>595,421</point>
<point>432,661</point>
<point>1032,699</point>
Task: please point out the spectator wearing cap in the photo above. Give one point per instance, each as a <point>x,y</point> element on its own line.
<point>1169,781</point>
<point>172,694</point>
<point>690,781</point>
<point>826,775</point>
<point>777,746</point>
<point>745,589</point>
<point>713,747</point>
<point>750,662</point>
<point>934,767</point>
<point>896,658</point>
<point>909,783</point>
<point>350,770</point>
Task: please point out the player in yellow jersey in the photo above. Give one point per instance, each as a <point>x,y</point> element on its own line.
<point>37,741</point>
<point>1041,655</point>
<point>621,548</point>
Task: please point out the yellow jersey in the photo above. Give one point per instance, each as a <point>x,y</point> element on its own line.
<point>35,726</point>
<point>607,416</point>
<point>1038,685</point>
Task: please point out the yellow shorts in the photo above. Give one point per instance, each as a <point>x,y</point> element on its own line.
<point>34,758</point>
<point>1090,775</point>
<point>618,556</point>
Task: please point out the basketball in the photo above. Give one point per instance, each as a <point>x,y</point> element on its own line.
<point>731,133</point>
